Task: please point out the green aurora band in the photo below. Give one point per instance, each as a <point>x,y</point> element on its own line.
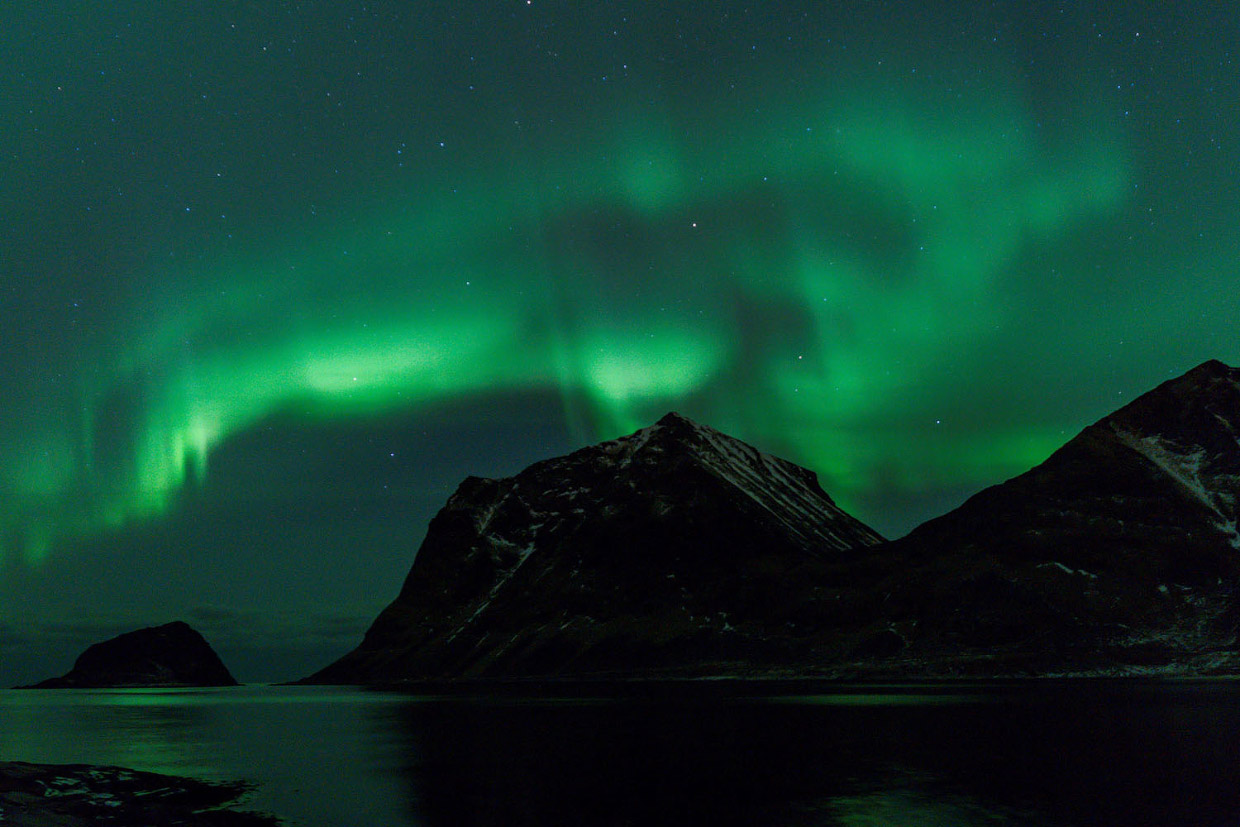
<point>804,262</point>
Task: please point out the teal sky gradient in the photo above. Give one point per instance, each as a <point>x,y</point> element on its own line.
<point>914,247</point>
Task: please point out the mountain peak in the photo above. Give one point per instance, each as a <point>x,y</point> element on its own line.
<point>676,528</point>
<point>1213,367</point>
<point>1201,407</point>
<point>1205,375</point>
<point>671,418</point>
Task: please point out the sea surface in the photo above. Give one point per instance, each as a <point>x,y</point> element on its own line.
<point>1026,753</point>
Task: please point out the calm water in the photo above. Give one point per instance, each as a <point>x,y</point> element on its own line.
<point>1027,754</point>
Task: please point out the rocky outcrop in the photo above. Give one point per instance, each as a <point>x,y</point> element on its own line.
<point>163,656</point>
<point>79,795</point>
<point>676,549</point>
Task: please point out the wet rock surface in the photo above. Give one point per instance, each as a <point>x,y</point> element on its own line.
<point>76,795</point>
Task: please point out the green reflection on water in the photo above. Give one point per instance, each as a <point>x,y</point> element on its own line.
<point>913,807</point>
<point>881,699</point>
<point>173,731</point>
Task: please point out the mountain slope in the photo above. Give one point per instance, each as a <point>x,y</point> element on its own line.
<point>1119,552</point>
<point>681,551</point>
<point>676,549</point>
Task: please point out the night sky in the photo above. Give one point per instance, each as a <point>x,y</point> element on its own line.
<point>274,277</point>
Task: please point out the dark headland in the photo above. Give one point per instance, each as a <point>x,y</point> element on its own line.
<point>171,655</point>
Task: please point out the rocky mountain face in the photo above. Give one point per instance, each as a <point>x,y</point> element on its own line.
<point>163,656</point>
<point>675,550</point>
<point>679,551</point>
<point>1120,553</point>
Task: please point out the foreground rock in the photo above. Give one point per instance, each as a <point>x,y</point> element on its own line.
<point>676,550</point>
<point>76,795</point>
<point>171,655</point>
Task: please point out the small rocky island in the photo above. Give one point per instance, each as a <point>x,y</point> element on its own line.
<point>172,655</point>
<point>77,795</point>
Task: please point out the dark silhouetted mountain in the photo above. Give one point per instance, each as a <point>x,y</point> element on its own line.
<point>679,551</point>
<point>163,656</point>
<point>675,550</point>
<point>1119,553</point>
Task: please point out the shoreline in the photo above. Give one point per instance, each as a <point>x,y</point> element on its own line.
<point>741,687</point>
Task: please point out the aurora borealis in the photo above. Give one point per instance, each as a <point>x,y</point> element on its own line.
<point>276,275</point>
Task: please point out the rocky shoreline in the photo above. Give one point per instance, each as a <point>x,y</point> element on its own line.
<point>76,795</point>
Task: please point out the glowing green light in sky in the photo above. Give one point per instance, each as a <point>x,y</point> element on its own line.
<point>435,298</point>
<point>804,261</point>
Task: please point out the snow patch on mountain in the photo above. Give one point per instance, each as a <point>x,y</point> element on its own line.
<point>1184,465</point>
<point>1181,464</point>
<point>1228,527</point>
<point>522,556</point>
<point>785,490</point>
<point>1067,569</point>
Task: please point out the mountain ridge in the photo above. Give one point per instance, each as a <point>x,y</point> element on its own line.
<point>681,551</point>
